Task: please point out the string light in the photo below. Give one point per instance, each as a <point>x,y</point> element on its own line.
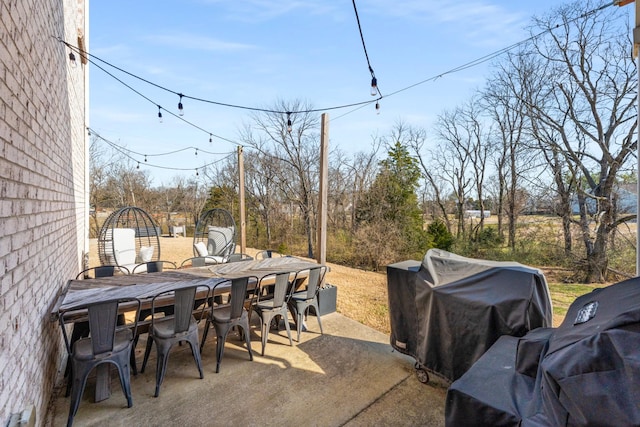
<point>145,158</point>
<point>197,174</point>
<point>377,107</point>
<point>138,167</point>
<point>160,114</point>
<point>374,86</point>
<point>196,151</point>
<point>180,109</point>
<point>72,60</point>
<point>358,105</point>
<point>128,154</point>
<point>289,123</point>
<point>210,139</point>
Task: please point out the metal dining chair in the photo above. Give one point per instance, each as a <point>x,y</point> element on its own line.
<point>232,314</point>
<point>166,331</point>
<point>268,254</point>
<point>301,301</point>
<point>101,271</point>
<point>107,343</point>
<point>272,299</point>
<point>153,267</point>
<point>199,261</point>
<point>81,329</point>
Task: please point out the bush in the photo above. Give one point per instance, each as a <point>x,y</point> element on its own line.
<point>440,236</point>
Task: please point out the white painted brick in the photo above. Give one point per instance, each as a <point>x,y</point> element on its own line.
<point>41,136</point>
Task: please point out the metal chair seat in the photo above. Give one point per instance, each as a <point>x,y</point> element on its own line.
<point>83,350</point>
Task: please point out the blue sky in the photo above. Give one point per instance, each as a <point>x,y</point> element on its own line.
<point>256,52</point>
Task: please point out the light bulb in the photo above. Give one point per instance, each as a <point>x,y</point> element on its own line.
<point>180,109</point>
<point>196,151</point>
<point>210,139</point>
<point>197,174</point>
<point>159,114</point>
<point>72,59</point>
<point>377,108</point>
<point>289,123</point>
<point>138,167</point>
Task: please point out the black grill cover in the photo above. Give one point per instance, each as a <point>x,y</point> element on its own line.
<point>448,310</point>
<point>588,371</point>
<point>591,371</point>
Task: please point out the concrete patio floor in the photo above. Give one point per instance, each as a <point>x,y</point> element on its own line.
<point>349,376</point>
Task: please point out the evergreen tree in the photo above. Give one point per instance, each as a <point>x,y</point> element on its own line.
<point>391,204</point>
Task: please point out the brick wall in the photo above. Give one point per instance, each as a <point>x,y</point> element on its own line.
<point>43,191</point>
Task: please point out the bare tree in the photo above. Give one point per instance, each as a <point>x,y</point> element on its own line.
<point>581,102</point>
<point>453,159</point>
<point>297,151</point>
<point>513,158</point>
<point>350,178</point>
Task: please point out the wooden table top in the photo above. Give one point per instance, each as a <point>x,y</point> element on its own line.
<point>145,286</point>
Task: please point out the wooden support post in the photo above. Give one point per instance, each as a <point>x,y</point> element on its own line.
<point>324,185</point>
<point>243,224</point>
<point>636,46</point>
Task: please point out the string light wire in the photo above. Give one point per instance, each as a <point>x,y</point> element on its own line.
<point>374,81</point>
<point>127,153</point>
<point>485,58</point>
<point>357,105</point>
<point>194,98</point>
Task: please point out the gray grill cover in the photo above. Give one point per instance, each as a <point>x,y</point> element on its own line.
<point>448,310</point>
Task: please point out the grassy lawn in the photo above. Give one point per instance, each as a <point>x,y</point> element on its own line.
<point>563,294</point>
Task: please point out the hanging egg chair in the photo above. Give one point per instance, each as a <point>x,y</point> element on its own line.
<point>129,237</point>
<point>215,235</point>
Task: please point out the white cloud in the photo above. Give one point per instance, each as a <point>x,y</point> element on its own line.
<point>482,22</point>
<point>266,10</point>
<point>197,42</point>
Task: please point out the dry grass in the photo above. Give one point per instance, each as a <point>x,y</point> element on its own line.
<point>362,295</point>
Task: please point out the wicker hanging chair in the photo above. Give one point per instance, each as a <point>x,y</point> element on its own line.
<point>215,235</point>
<point>129,237</point>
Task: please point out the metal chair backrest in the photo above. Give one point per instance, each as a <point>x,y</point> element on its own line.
<point>153,266</point>
<point>268,254</point>
<point>183,301</point>
<point>241,292</point>
<point>316,275</point>
<point>239,257</point>
<point>99,271</point>
<point>238,295</point>
<point>103,319</point>
<point>282,287</point>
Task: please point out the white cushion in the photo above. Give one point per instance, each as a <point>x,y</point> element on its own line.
<point>124,245</point>
<point>201,248</point>
<point>146,253</point>
<point>219,240</point>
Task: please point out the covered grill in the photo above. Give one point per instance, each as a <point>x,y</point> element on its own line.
<point>447,310</point>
